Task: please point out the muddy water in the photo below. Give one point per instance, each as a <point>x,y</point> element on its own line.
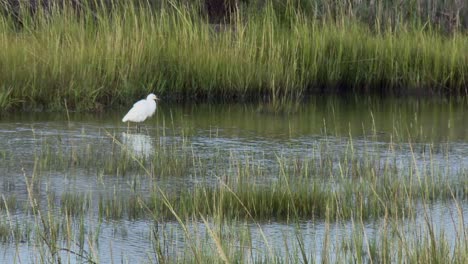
<point>250,133</point>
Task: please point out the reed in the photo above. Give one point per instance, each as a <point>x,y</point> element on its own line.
<point>97,58</point>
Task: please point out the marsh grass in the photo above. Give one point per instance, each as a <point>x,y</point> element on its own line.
<point>9,203</point>
<point>55,232</point>
<point>74,203</point>
<point>226,199</point>
<point>393,244</point>
<point>5,101</point>
<point>100,58</point>
<point>283,200</point>
<point>356,181</point>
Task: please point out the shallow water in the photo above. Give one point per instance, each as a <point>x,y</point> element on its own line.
<point>253,134</point>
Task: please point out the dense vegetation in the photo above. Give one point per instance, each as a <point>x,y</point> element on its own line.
<point>90,55</point>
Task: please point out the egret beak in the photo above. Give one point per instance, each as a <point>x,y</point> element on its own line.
<point>157,98</point>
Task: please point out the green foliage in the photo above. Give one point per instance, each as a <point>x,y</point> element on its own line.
<point>101,57</point>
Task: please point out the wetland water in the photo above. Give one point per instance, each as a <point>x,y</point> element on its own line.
<point>186,146</point>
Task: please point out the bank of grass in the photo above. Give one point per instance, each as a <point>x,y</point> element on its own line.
<point>60,59</point>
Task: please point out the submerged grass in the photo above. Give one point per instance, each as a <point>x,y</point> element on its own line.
<point>283,200</point>
<point>222,201</point>
<point>229,215</point>
<point>354,181</point>
<point>94,59</point>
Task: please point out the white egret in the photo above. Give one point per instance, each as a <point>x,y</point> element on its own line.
<point>141,110</point>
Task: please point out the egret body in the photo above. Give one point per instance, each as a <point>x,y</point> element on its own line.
<point>142,109</point>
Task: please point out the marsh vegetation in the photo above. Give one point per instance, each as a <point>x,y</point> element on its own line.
<point>239,183</point>
<point>285,176</point>
<point>99,54</point>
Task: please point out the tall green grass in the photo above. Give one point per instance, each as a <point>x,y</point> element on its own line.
<point>96,58</point>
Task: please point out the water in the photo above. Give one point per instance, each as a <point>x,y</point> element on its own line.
<point>421,132</point>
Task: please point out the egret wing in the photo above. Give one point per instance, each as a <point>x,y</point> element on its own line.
<point>137,113</point>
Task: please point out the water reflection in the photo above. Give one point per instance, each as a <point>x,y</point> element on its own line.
<point>140,144</point>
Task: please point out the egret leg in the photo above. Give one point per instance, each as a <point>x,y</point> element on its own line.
<point>138,128</point>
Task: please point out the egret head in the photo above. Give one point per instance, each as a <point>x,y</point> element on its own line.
<point>152,96</point>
